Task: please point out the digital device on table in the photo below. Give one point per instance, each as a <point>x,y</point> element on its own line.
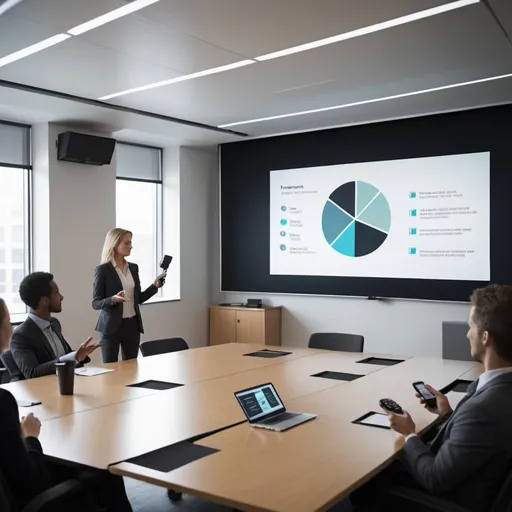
<point>390,405</point>
<point>430,399</point>
<point>27,403</point>
<point>164,264</point>
<point>264,409</point>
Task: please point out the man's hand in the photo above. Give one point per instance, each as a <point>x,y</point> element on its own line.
<point>30,426</point>
<point>119,297</point>
<point>85,349</point>
<point>401,423</point>
<point>443,405</point>
<point>158,283</point>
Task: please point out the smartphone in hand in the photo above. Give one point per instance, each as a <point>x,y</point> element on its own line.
<point>430,399</point>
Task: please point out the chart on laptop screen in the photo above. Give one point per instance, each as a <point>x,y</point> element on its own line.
<point>259,401</point>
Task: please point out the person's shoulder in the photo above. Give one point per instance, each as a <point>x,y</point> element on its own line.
<point>102,267</point>
<point>133,266</point>
<point>25,326</point>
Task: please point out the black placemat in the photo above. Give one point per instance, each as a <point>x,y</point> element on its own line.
<point>383,361</point>
<point>459,386</point>
<point>160,385</point>
<point>337,375</point>
<point>268,353</point>
<point>173,457</point>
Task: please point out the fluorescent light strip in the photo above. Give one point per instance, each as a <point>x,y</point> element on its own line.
<point>182,78</point>
<point>434,11</point>
<point>366,102</point>
<point>111,16</point>
<point>42,45</point>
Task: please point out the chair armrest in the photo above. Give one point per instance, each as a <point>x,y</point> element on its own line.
<point>53,496</point>
<point>434,503</point>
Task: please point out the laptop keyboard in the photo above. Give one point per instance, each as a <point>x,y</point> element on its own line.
<point>282,417</point>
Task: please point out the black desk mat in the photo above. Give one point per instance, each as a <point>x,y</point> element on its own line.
<point>160,385</point>
<point>459,386</point>
<point>337,375</point>
<point>172,457</point>
<point>268,353</point>
<point>383,361</point>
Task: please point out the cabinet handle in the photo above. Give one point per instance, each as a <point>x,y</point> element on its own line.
<point>238,321</point>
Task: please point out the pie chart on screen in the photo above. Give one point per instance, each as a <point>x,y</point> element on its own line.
<point>356,219</point>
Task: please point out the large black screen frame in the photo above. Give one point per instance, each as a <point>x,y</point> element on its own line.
<point>245,197</point>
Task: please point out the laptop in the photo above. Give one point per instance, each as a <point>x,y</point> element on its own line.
<point>264,409</point>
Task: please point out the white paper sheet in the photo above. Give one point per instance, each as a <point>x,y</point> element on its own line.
<point>377,419</point>
<point>91,371</point>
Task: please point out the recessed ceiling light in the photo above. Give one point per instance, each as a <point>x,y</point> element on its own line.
<point>181,78</point>
<point>25,52</point>
<point>111,16</point>
<point>366,102</point>
<point>368,30</point>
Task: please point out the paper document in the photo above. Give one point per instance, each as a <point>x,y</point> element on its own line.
<point>91,371</point>
<point>378,419</point>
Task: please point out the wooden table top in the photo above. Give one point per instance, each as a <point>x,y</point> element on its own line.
<point>185,367</point>
<point>314,465</point>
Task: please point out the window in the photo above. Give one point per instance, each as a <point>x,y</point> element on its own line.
<point>139,205</point>
<point>15,176</point>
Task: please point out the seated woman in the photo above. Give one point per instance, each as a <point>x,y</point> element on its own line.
<point>23,467</point>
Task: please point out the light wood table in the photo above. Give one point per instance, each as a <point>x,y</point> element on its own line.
<point>125,430</point>
<point>311,467</point>
<point>89,393</point>
<point>185,367</point>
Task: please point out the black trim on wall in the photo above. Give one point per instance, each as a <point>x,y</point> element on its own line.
<point>110,106</point>
<point>245,200</point>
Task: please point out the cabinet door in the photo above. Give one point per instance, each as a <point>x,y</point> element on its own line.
<point>222,326</point>
<point>250,327</point>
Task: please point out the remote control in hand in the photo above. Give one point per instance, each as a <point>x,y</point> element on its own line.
<point>390,405</point>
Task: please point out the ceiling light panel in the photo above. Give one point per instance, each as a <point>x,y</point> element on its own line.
<point>402,20</point>
<point>111,16</point>
<point>366,102</point>
<point>182,78</point>
<point>30,50</point>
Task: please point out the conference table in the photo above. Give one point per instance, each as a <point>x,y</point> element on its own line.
<point>141,418</point>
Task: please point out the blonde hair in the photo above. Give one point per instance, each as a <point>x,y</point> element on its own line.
<point>112,240</point>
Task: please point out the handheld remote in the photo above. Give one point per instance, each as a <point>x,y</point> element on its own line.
<point>390,405</point>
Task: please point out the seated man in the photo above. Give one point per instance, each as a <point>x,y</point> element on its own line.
<point>470,457</point>
<point>37,344</point>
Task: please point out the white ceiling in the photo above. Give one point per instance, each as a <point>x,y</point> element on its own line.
<point>175,37</point>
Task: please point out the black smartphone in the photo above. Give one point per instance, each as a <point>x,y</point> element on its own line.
<point>164,264</point>
<point>430,399</point>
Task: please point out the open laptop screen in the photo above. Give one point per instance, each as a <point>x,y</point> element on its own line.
<point>259,402</point>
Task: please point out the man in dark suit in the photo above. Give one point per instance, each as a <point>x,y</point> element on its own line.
<point>470,457</point>
<point>37,344</point>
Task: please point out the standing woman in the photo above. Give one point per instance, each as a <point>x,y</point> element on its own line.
<point>117,294</point>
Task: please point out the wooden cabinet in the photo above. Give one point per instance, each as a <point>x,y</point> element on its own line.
<point>245,325</point>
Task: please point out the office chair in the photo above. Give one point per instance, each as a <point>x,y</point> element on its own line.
<point>58,497</point>
<point>8,361</point>
<point>164,346</point>
<point>337,341</point>
<point>156,347</point>
<point>414,498</point>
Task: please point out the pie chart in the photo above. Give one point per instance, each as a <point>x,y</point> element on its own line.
<point>356,219</point>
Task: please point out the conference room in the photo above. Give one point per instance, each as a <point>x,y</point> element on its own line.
<point>253,255</point>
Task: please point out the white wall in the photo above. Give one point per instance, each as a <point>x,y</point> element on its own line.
<point>75,207</point>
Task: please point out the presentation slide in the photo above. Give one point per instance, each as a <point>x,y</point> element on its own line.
<point>419,218</point>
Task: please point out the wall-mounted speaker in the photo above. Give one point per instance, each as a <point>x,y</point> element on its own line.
<point>85,149</point>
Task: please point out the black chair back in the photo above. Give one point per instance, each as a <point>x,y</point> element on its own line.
<point>155,347</point>
<point>9,363</point>
<point>5,497</point>
<point>337,341</point>
<point>503,501</point>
